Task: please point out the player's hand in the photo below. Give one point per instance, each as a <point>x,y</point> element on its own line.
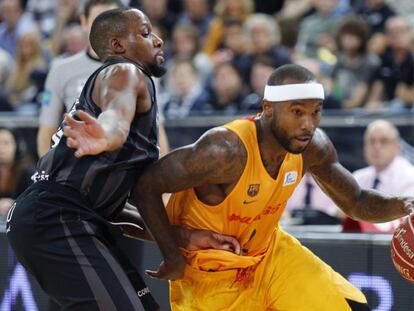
<point>195,239</point>
<point>169,270</point>
<point>86,136</point>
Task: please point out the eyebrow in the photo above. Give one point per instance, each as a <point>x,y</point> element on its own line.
<point>302,103</point>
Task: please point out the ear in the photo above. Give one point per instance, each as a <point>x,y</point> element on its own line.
<point>267,108</point>
<point>117,46</point>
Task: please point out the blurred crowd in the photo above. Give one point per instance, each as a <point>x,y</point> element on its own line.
<point>220,53</point>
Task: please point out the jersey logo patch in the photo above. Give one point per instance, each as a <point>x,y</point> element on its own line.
<point>290,178</point>
<point>253,190</point>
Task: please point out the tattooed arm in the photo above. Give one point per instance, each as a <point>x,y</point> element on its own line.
<point>218,157</point>
<point>321,160</point>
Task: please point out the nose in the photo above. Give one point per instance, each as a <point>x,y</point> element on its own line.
<point>157,41</point>
<point>308,124</point>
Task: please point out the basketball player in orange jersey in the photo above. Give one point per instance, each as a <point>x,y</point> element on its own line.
<point>235,180</point>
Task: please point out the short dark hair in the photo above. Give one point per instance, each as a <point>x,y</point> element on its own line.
<point>89,4</point>
<point>290,71</point>
<point>112,23</point>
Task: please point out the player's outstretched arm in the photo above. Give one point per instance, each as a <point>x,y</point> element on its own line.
<point>116,91</point>
<point>362,204</point>
<point>211,160</point>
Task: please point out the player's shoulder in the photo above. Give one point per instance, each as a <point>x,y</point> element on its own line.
<point>320,149</point>
<point>221,142</point>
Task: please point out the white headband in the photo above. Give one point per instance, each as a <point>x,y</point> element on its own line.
<point>279,93</point>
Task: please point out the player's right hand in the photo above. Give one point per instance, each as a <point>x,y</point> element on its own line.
<point>206,239</point>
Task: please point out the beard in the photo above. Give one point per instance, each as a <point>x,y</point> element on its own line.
<point>285,141</point>
<point>156,70</point>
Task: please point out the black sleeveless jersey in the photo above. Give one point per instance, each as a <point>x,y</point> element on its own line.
<point>106,179</point>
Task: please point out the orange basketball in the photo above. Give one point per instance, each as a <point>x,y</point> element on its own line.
<point>402,249</point>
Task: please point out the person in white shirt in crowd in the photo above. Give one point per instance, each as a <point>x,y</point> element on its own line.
<point>387,171</point>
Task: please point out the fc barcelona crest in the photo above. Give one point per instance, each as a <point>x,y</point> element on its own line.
<point>253,190</point>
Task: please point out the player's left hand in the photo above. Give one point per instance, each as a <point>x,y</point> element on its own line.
<point>86,136</point>
<point>169,269</point>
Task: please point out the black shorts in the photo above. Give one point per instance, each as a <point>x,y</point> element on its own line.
<point>72,253</point>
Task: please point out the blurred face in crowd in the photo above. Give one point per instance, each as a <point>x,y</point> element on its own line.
<point>75,40</point>
<point>86,22</point>
<point>261,38</point>
<point>235,8</point>
<point>381,144</point>
<point>235,39</point>
<point>29,46</point>
<point>184,42</point>
<point>196,9</point>
<point>226,82</point>
<point>324,7</point>
<point>259,76</point>
<point>10,12</point>
<point>154,9</point>
<point>398,33</point>
<point>350,43</point>
<point>183,78</point>
<point>7,147</point>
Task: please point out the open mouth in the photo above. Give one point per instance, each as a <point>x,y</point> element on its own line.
<point>160,58</point>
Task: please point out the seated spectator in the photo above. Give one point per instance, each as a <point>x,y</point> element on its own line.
<point>74,40</point>
<point>375,13</point>
<point>198,14</point>
<point>387,171</point>
<point>393,85</point>
<point>186,45</point>
<point>315,30</point>
<point>185,89</point>
<point>261,71</point>
<point>14,24</point>
<point>264,36</point>
<point>224,10</point>
<point>30,60</point>
<point>225,94</point>
<point>6,67</point>
<point>355,68</point>
<point>14,172</point>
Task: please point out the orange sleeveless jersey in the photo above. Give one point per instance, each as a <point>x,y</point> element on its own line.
<point>251,211</point>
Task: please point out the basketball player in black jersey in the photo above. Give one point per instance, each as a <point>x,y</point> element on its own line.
<point>59,227</point>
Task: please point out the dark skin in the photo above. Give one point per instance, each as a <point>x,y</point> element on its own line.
<point>116,87</point>
<point>214,163</point>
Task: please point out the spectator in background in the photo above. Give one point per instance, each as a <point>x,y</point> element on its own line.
<point>315,30</point>
<point>264,35</point>
<point>261,70</point>
<point>14,24</point>
<point>387,171</point>
<point>185,89</point>
<point>31,64</point>
<point>74,41</point>
<point>67,76</point>
<point>225,9</point>
<point>355,68</point>
<point>186,45</point>
<point>6,67</point>
<point>225,94</point>
<point>66,15</point>
<point>43,12</point>
<point>198,14</point>
<point>393,85</point>
<point>375,13</point>
<point>235,48</point>
<point>14,172</point>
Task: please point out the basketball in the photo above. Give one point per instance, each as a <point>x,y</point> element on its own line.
<point>402,249</point>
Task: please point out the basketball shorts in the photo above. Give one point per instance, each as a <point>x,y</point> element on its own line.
<point>289,278</point>
<point>71,252</point>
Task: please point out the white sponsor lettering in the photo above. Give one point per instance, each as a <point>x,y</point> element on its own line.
<point>399,235</point>
<point>143,292</point>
